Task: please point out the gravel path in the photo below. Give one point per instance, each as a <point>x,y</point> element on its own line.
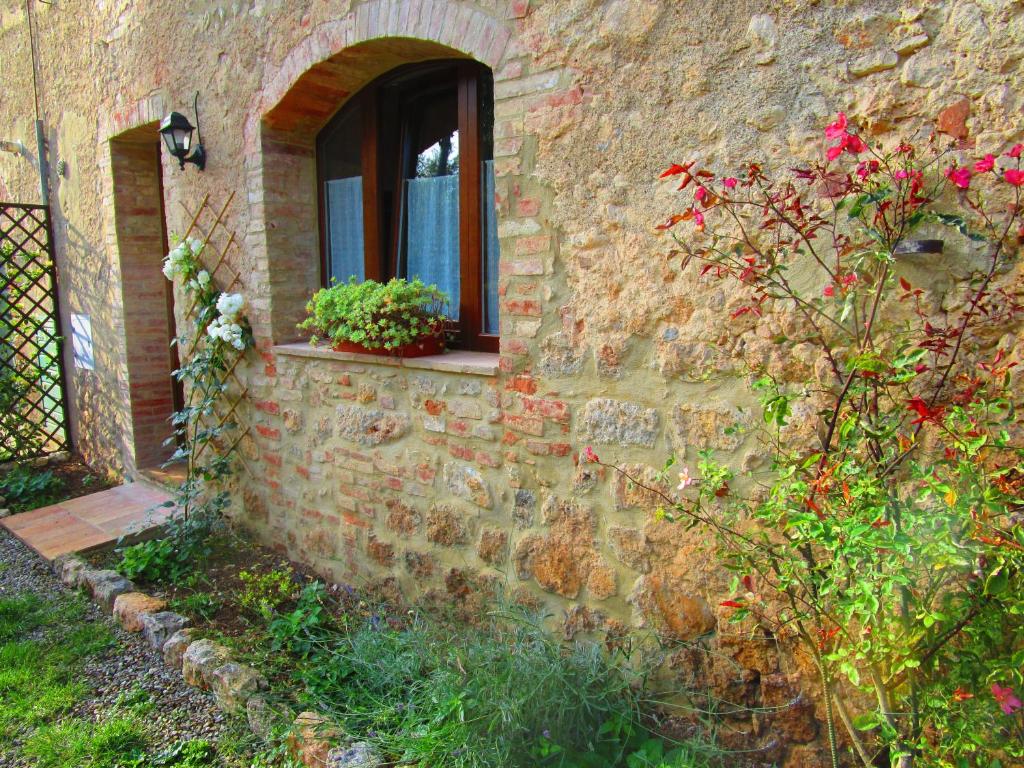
<point>179,711</point>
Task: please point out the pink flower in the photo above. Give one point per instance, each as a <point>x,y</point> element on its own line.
<point>1005,699</point>
<point>987,163</point>
<point>1015,150</point>
<point>698,218</point>
<point>838,128</point>
<point>849,142</point>
<point>855,144</point>
<point>699,194</point>
<point>901,174</point>
<point>589,455</point>
<point>959,176</point>
<point>848,280</point>
<point>685,481</point>
<point>729,182</point>
<point>1015,177</point>
<point>830,291</point>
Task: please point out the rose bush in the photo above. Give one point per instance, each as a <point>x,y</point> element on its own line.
<point>886,543</point>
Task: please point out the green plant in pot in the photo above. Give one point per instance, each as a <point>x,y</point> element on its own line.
<point>399,317</point>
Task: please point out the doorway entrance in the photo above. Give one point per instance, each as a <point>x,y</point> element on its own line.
<point>147,296</point>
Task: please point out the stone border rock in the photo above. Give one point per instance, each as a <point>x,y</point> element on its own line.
<point>204,664</point>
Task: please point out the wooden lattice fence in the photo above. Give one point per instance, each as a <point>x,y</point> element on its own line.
<point>33,404</point>
<point>225,262</point>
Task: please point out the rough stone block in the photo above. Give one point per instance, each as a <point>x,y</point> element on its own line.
<point>467,483</point>
<point>310,739</point>
<point>371,426</point>
<point>233,684</point>
<point>175,646</point>
<point>105,586</point>
<point>200,660</point>
<point>69,569</point>
<point>358,755</point>
<point>617,422</point>
<point>158,627</point>
<point>129,608</point>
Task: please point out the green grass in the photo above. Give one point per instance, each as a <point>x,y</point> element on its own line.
<point>106,744</point>
<point>42,647</point>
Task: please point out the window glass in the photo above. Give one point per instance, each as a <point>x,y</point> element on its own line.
<point>488,203</point>
<point>429,237</point>
<point>340,164</point>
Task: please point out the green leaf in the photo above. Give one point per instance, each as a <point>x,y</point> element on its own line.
<point>866,721</point>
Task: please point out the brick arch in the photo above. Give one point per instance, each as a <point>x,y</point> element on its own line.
<point>299,96</point>
<point>333,60</point>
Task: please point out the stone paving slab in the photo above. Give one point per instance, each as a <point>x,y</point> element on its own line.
<point>92,521</point>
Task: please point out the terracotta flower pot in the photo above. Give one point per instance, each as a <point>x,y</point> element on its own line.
<point>426,345</point>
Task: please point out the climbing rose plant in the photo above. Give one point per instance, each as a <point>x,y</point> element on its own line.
<point>216,333</point>
<point>886,541</point>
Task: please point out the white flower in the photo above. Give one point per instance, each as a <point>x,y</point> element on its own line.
<point>230,304</point>
<point>203,278</point>
<point>195,245</point>
<point>176,262</point>
<point>226,331</point>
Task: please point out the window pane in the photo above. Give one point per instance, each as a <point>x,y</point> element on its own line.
<point>429,236</point>
<point>492,250</point>
<point>432,231</point>
<point>345,228</point>
<point>339,149</point>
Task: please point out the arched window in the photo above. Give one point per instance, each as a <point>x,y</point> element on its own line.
<point>406,189</point>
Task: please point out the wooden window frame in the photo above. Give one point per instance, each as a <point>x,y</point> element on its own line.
<point>382,144</point>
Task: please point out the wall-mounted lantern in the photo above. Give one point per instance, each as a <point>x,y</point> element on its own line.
<point>177,133</point>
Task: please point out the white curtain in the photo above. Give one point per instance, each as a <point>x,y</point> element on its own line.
<point>432,234</point>
<point>345,228</point>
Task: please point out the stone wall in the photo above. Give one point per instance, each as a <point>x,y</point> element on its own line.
<point>447,481</point>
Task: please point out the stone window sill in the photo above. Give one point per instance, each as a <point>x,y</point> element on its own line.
<point>453,361</point>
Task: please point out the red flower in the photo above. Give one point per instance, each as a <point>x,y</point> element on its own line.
<point>1005,698</point>
<point>838,128</point>
<point>732,604</point>
<point>699,194</point>
<point>961,695</point>
<point>729,182</point>
<point>1015,177</point>
<point>987,163</point>
<point>589,455</point>
<point>959,176</point>
<point>1015,150</point>
<point>830,291</point>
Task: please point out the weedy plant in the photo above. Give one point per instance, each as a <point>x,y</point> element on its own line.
<point>887,540</point>
<point>505,693</point>
<point>25,487</point>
